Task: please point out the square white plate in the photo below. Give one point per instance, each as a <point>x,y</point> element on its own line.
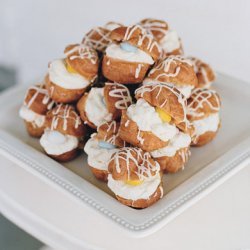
<point>208,166</point>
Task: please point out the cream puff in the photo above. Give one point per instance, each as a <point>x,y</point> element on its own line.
<point>203,114</point>
<point>101,146</point>
<point>167,38</point>
<point>135,178</point>
<point>68,78</point>
<point>130,55</point>
<point>33,111</point>
<point>105,104</point>
<point>205,74</point>
<point>98,38</point>
<point>175,155</point>
<point>175,70</point>
<point>63,134</point>
<point>152,121</point>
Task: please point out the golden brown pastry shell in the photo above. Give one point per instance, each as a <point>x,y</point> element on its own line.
<point>175,163</point>
<point>109,130</point>
<point>71,128</point>
<point>97,38</point>
<point>62,95</point>
<point>67,156</point>
<point>33,130</point>
<point>37,104</point>
<point>186,75</point>
<point>206,108</point>
<point>111,100</point>
<point>204,138</point>
<point>99,174</point>
<point>130,133</point>
<point>122,71</point>
<point>158,31</point>
<point>129,159</point>
<point>172,107</point>
<point>83,66</point>
<point>210,75</point>
<point>143,203</point>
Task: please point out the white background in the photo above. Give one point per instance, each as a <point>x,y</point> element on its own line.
<point>34,32</point>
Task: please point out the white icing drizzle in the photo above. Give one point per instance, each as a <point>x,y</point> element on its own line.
<point>155,25</point>
<point>64,112</point>
<point>199,68</point>
<point>184,154</point>
<point>138,70</point>
<point>84,52</point>
<point>201,96</point>
<point>144,37</point>
<point>122,93</point>
<point>139,138</point>
<point>166,64</point>
<point>143,170</point>
<point>181,99</point>
<point>100,44</point>
<point>39,90</point>
<point>127,123</point>
<point>110,126</point>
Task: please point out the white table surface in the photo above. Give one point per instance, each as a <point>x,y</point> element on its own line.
<point>221,220</point>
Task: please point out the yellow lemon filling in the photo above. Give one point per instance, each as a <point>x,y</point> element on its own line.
<point>70,69</point>
<point>134,182</point>
<point>163,115</point>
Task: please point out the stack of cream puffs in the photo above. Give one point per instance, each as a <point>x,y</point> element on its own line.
<point>128,97</point>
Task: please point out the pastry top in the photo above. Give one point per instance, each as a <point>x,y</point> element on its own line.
<point>132,164</point>
<point>37,99</point>
<point>168,98</point>
<point>137,36</point>
<point>155,27</point>
<point>117,96</point>
<point>174,69</point>
<point>63,118</point>
<point>97,38</point>
<point>204,72</point>
<point>82,59</point>
<point>202,103</point>
<point>112,25</point>
<point>108,132</point>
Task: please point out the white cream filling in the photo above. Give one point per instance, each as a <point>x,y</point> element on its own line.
<point>209,123</point>
<point>139,56</point>
<point>96,108</point>
<point>181,140</point>
<point>186,90</point>
<point>59,75</point>
<point>130,192</point>
<point>55,143</point>
<point>30,116</point>
<point>147,119</point>
<point>98,157</point>
<point>170,41</point>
